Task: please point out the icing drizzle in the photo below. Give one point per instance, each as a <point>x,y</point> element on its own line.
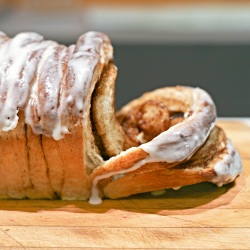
<point>229,167</point>
<point>48,80</point>
<point>180,142</point>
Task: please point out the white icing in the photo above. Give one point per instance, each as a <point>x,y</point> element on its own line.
<point>89,51</point>
<point>28,64</point>
<point>32,110</point>
<point>15,80</point>
<point>182,140</point>
<point>95,198</point>
<point>176,144</point>
<point>51,78</point>
<point>229,167</point>
<point>81,67</point>
<point>27,57</point>
<point>45,92</point>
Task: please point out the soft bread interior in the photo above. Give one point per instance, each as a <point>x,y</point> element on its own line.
<point>184,152</point>
<point>110,136</point>
<point>157,176</point>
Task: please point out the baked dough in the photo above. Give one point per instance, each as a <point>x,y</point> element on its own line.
<point>45,100</point>
<point>61,137</point>
<point>190,151</point>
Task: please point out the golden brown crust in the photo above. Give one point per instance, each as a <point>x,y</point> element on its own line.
<point>56,102</point>
<point>67,173</point>
<point>164,139</point>
<point>184,154</point>
<point>14,170</point>
<point>157,176</point>
<point>123,161</point>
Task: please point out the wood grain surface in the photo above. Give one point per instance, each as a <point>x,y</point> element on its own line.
<point>201,216</point>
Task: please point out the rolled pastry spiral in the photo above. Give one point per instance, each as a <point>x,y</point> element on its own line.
<point>187,147</point>
<point>61,136</point>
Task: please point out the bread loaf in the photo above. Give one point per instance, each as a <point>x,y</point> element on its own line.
<point>61,136</point>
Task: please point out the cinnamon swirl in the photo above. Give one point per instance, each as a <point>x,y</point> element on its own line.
<point>61,137</point>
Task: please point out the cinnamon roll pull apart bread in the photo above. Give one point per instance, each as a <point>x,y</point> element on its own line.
<point>61,136</point>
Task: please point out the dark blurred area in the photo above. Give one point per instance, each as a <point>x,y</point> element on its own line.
<point>222,70</point>
<point>157,43</point>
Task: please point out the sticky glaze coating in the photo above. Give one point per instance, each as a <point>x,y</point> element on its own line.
<point>47,80</point>
<point>53,87</point>
<point>179,142</point>
<point>229,167</point>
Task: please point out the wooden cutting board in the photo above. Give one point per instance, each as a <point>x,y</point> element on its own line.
<point>201,216</point>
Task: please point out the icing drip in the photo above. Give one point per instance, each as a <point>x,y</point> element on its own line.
<point>95,198</point>
<point>32,110</point>
<point>80,72</point>
<point>53,84</point>
<point>60,128</point>
<point>19,59</point>
<point>48,80</point>
<point>229,167</point>
<point>49,86</point>
<point>15,77</point>
<point>182,140</point>
<point>88,53</point>
<point>226,170</point>
<point>176,144</point>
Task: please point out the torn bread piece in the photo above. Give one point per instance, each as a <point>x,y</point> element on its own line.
<point>206,165</point>
<point>168,151</point>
